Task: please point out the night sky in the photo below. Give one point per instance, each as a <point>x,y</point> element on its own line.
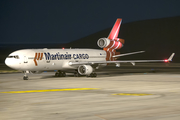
<point>63,21</point>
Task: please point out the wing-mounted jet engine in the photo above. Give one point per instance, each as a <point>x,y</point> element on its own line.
<point>85,69</point>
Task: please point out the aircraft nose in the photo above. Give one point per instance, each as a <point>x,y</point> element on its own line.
<point>11,63</point>
<point>8,62</point>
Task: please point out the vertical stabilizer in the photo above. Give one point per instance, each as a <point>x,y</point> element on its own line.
<point>115,30</point>
<point>112,42</point>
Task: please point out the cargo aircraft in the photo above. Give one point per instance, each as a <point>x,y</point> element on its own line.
<point>81,61</point>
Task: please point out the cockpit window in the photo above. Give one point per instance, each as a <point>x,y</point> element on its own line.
<point>17,57</point>
<point>10,57</point>
<point>13,56</point>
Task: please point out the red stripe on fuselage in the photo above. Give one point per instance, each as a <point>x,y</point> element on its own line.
<point>41,56</point>
<point>35,59</point>
<point>38,56</point>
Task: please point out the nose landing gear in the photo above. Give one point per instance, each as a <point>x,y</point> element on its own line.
<point>25,75</point>
<point>25,78</point>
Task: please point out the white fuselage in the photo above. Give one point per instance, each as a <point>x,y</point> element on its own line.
<point>52,59</point>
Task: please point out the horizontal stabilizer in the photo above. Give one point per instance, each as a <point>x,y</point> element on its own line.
<point>128,54</point>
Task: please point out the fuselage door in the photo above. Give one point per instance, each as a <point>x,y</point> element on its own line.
<point>25,59</point>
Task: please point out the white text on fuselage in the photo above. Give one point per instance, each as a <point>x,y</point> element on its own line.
<point>66,56</point>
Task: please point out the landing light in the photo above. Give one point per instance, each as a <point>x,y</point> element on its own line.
<point>63,48</point>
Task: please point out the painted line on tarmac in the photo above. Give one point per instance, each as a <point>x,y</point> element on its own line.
<point>132,94</point>
<point>50,90</point>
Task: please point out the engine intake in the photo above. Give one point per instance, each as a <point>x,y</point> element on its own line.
<point>85,69</point>
<point>103,42</point>
<point>107,43</point>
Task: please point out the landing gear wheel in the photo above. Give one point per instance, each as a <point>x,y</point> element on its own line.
<point>25,78</point>
<point>56,74</point>
<point>25,75</point>
<point>63,74</point>
<point>60,74</point>
<point>76,74</point>
<point>92,75</point>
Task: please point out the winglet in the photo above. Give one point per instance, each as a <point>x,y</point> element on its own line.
<point>171,57</point>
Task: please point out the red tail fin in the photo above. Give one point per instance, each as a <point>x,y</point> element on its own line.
<point>115,30</point>
<point>112,43</point>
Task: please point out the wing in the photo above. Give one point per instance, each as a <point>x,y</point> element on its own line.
<point>123,61</point>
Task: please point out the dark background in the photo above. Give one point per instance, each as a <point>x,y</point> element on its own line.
<point>151,25</point>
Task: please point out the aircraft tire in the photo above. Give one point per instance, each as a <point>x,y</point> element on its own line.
<point>92,75</point>
<point>60,74</point>
<point>95,75</point>
<point>25,78</point>
<point>56,74</point>
<point>76,75</point>
<point>63,74</point>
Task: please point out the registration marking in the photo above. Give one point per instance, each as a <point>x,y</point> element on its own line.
<point>132,94</point>
<point>50,90</point>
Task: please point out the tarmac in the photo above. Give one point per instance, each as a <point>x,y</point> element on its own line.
<point>145,92</point>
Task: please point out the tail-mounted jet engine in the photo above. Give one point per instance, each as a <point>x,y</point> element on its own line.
<point>112,44</point>
<point>85,69</point>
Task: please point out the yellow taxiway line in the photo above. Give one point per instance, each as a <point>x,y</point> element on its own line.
<point>132,94</point>
<point>50,90</point>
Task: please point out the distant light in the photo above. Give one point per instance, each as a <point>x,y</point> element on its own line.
<point>166,60</point>
<point>63,48</point>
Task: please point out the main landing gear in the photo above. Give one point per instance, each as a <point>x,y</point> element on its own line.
<point>25,75</point>
<point>92,75</point>
<point>76,74</point>
<point>60,74</point>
